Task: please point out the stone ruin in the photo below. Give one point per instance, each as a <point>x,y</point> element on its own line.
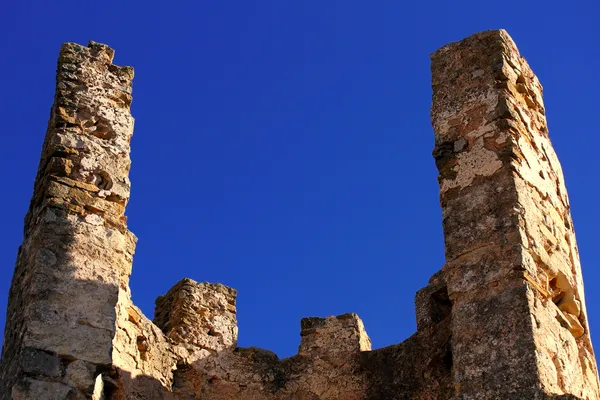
<point>504,318</point>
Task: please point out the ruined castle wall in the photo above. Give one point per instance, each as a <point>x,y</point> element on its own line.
<point>334,361</point>
<point>327,366</point>
<point>418,368</point>
<point>200,321</point>
<point>512,272</point>
<point>505,318</point>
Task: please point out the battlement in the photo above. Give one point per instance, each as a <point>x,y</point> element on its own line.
<point>504,318</point>
<point>201,317</point>
<point>342,334</point>
<point>198,314</point>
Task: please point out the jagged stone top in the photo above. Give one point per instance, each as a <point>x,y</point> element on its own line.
<point>499,35</point>
<point>95,52</point>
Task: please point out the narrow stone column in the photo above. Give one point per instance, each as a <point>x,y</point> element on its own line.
<point>512,270</point>
<point>77,251</point>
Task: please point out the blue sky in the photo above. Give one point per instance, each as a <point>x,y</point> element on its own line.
<point>284,147</point>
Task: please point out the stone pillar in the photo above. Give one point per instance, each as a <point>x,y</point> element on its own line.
<point>512,270</point>
<point>77,251</point>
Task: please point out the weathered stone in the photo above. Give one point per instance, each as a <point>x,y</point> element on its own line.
<point>38,362</point>
<point>505,318</point>
<point>198,316</point>
<point>342,334</point>
<point>432,304</point>
<point>510,245</point>
<point>29,389</point>
<point>80,375</point>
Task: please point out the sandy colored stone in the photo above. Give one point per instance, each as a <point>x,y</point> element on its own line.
<point>505,318</point>
<point>513,272</point>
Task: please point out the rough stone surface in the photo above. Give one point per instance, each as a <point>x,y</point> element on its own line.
<point>513,276</point>
<point>505,318</point>
<point>198,316</point>
<point>327,367</point>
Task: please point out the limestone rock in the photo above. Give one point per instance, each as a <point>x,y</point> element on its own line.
<point>505,318</point>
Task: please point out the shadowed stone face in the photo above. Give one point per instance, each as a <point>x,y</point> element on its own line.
<point>505,318</point>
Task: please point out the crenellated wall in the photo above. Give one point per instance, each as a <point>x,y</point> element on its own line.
<point>505,318</point>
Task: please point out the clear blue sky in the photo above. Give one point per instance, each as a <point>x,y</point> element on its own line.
<point>284,147</point>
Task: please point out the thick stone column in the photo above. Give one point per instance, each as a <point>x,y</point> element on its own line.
<point>77,251</point>
<point>519,327</point>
